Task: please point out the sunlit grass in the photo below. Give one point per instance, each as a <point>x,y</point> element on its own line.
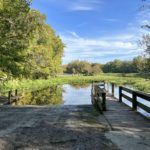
<point>139,83</point>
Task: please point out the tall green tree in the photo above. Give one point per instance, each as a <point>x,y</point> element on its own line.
<point>45,51</point>
<point>16,28</point>
<point>28,46</point>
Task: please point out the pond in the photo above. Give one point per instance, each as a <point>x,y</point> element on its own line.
<point>58,95</point>
<point>66,94</point>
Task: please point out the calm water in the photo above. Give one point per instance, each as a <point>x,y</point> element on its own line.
<point>76,95</point>
<point>58,95</point>
<point>69,95</point>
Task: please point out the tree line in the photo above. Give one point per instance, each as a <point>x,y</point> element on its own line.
<point>82,67</point>
<point>139,64</point>
<point>28,46</point>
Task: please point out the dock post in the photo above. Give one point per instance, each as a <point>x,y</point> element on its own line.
<point>104,85</point>
<point>134,101</point>
<point>9,97</point>
<point>16,92</point>
<point>107,87</point>
<point>113,86</point>
<point>120,94</point>
<point>92,84</point>
<point>104,101</point>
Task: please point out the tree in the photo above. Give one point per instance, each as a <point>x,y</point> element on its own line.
<point>28,46</point>
<point>16,28</point>
<point>83,67</point>
<point>139,63</point>
<point>96,68</point>
<point>118,66</point>
<point>45,51</point>
<point>145,8</point>
<point>145,42</point>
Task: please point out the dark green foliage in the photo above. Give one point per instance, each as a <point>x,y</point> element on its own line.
<point>28,46</point>
<point>118,66</point>
<point>15,32</point>
<point>47,96</point>
<point>139,64</point>
<point>45,52</point>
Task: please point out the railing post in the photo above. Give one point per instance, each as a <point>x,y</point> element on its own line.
<point>16,92</point>
<point>104,101</point>
<point>92,88</point>
<point>120,94</point>
<point>107,87</point>
<point>134,101</point>
<point>9,97</point>
<point>104,85</point>
<point>112,85</point>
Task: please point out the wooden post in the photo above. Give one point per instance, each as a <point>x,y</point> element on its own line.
<point>9,97</point>
<point>104,85</point>
<point>104,101</point>
<point>120,94</point>
<point>16,92</point>
<point>113,88</point>
<point>134,101</point>
<point>107,87</point>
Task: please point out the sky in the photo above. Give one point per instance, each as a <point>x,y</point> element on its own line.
<point>96,30</point>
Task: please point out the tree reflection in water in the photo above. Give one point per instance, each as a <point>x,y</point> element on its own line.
<point>48,96</point>
<point>79,86</point>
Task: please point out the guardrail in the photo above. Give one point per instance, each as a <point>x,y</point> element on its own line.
<point>112,87</point>
<point>133,98</point>
<point>11,98</point>
<point>98,94</point>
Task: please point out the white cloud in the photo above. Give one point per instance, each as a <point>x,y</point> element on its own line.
<point>73,34</point>
<point>83,5</point>
<point>111,20</point>
<point>96,49</point>
<point>81,8</point>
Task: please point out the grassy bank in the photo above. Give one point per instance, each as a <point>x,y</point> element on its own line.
<point>139,83</point>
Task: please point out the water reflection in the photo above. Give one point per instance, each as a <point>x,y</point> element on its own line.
<point>77,95</point>
<point>48,96</point>
<point>80,86</point>
<point>74,94</point>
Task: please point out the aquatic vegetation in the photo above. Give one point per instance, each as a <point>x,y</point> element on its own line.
<point>137,82</point>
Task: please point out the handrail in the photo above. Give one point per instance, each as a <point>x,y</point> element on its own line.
<point>133,99</point>
<point>127,90</point>
<point>98,94</point>
<point>11,98</point>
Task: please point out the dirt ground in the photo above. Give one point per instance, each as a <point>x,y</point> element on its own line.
<point>54,128</point>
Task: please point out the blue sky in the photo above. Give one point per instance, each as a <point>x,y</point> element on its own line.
<point>96,30</point>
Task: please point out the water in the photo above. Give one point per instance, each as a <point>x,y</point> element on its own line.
<point>58,95</point>
<point>71,95</point>
<point>76,96</point>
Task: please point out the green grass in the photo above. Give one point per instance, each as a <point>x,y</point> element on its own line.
<point>139,83</point>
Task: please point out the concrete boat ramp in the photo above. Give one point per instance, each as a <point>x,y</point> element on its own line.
<point>73,128</point>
